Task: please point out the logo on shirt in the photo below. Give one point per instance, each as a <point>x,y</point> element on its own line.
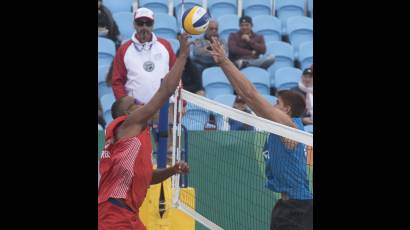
<point>105,154</point>
<point>149,66</point>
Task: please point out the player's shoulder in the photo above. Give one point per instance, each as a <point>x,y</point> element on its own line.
<point>298,122</point>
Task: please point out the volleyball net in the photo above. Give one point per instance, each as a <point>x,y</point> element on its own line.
<point>228,164</point>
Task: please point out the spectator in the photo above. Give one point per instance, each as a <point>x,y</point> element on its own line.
<point>305,87</point>
<point>106,24</point>
<point>211,124</point>
<point>142,62</point>
<point>201,56</point>
<point>236,125</point>
<point>101,120</point>
<point>246,47</point>
<point>191,78</point>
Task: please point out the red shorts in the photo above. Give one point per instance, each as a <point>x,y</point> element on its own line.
<point>112,217</point>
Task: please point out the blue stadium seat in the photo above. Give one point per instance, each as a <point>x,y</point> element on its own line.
<point>287,78</point>
<point>102,72</point>
<point>195,118</point>
<point>218,8</point>
<point>165,26</point>
<point>116,6</point>
<point>286,9</point>
<point>157,6</point>
<point>227,25</point>
<point>104,89</point>
<point>174,44</point>
<point>300,30</point>
<point>106,101</point>
<point>306,54</point>
<point>107,116</point>
<point>259,77</point>
<point>269,26</point>
<point>257,7</point>
<point>283,53</point>
<point>309,128</point>
<point>272,99</point>
<point>215,82</point>
<point>125,24</point>
<point>227,99</point>
<point>187,4</point>
<point>106,51</point>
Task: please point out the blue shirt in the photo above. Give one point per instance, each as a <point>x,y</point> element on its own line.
<point>286,169</point>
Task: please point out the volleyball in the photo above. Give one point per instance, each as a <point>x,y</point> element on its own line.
<point>195,20</point>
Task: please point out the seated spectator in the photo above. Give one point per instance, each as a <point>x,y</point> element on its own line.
<point>211,124</point>
<point>192,77</point>
<point>246,47</point>
<point>101,120</point>
<point>236,125</point>
<point>305,87</point>
<point>106,24</point>
<point>201,57</point>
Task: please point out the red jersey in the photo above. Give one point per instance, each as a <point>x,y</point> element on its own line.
<point>125,167</point>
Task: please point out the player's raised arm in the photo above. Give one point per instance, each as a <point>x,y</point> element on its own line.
<point>167,88</point>
<point>246,89</point>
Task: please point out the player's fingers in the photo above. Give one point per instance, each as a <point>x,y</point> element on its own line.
<point>185,35</point>
<point>215,43</point>
<point>217,47</point>
<point>187,168</point>
<point>213,53</point>
<point>212,44</point>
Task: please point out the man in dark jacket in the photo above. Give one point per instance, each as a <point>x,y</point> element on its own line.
<point>246,48</point>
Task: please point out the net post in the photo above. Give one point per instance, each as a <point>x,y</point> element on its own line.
<point>176,143</point>
<point>163,136</point>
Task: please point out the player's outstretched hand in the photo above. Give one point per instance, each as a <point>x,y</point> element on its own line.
<point>217,51</point>
<point>184,44</point>
<point>181,167</point>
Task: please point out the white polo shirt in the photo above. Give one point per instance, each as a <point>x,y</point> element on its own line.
<point>138,68</point>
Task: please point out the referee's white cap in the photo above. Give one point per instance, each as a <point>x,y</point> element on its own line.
<point>143,13</point>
